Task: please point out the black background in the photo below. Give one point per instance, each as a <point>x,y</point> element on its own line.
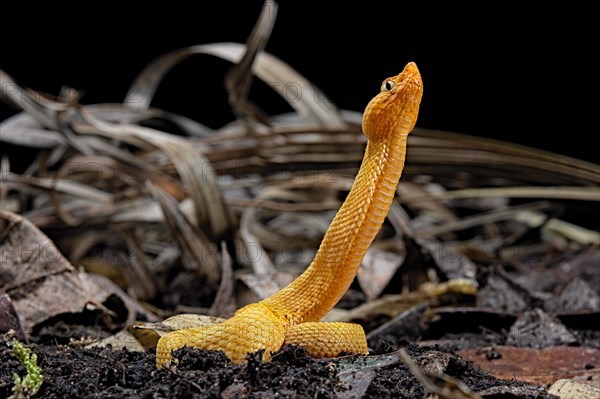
<point>498,73</point>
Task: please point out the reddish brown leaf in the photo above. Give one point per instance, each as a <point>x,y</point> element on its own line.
<point>536,366</point>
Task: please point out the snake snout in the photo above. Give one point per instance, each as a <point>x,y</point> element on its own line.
<point>412,76</point>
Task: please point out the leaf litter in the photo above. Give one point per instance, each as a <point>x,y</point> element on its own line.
<point>490,251</point>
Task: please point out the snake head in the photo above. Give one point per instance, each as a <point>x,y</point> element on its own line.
<point>393,112</point>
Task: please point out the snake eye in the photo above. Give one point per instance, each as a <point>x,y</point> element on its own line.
<point>387,85</point>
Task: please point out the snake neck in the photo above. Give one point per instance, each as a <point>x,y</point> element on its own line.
<point>316,291</point>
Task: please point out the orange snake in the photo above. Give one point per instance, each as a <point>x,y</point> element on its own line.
<point>291,316</point>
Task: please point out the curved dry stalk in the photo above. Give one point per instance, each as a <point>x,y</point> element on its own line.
<point>200,180</point>
<point>25,99</point>
<point>268,68</point>
<point>22,129</point>
<point>239,77</point>
<point>201,252</point>
<point>481,219</point>
<point>283,207</point>
<point>45,184</point>
<point>551,192</point>
<point>224,296</point>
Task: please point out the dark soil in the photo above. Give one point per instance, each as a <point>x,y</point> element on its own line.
<point>103,373</point>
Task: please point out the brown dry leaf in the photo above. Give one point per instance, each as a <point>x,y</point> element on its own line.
<point>104,288</point>
<point>536,366</point>
<point>537,329</point>
<point>9,319</point>
<point>180,322</point>
<point>41,282</point>
<point>379,266</point>
<point>141,336</point>
<point>34,273</point>
<point>570,389</point>
<point>129,338</point>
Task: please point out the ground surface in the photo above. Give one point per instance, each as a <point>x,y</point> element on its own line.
<point>493,336</point>
<point>87,373</point>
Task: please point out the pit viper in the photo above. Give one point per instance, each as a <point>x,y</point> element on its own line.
<point>292,315</point>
